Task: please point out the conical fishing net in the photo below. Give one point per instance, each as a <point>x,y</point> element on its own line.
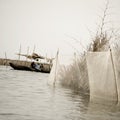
<point>102,76</point>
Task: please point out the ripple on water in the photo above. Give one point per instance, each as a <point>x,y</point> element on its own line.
<point>26,96</point>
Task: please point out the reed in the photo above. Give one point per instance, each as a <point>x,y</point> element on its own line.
<point>75,75</point>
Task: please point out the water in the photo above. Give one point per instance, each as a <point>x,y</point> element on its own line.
<point>27,96</point>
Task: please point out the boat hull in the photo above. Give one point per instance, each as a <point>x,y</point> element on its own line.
<point>20,67</point>
<point>29,68</point>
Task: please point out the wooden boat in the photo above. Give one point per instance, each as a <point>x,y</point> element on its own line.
<point>37,67</point>
<point>21,67</point>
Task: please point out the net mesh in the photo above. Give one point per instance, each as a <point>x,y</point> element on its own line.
<point>54,71</point>
<point>101,77</point>
<point>97,73</point>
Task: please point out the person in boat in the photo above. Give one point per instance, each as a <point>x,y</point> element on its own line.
<point>36,66</point>
<point>33,65</point>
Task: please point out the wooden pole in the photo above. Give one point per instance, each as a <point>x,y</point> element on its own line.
<point>19,52</point>
<point>27,54</point>
<point>34,49</point>
<point>114,73</point>
<point>56,65</point>
<point>5,59</point>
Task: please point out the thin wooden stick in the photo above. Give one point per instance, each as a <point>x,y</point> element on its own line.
<point>114,74</point>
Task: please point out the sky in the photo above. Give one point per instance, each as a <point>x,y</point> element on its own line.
<point>50,25</point>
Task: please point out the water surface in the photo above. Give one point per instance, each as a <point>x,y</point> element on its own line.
<point>26,95</point>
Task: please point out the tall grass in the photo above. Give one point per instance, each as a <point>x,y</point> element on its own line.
<point>75,75</point>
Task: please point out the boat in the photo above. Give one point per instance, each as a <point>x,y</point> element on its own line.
<point>35,63</point>
<point>37,67</point>
<point>20,67</point>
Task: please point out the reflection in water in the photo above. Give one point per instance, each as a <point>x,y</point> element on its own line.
<point>26,96</point>
<point>103,112</point>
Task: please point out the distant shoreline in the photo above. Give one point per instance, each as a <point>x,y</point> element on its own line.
<point>6,62</point>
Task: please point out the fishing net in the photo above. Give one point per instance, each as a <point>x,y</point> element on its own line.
<point>102,80</point>
<point>53,77</point>
<point>71,71</point>
<point>97,73</point>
